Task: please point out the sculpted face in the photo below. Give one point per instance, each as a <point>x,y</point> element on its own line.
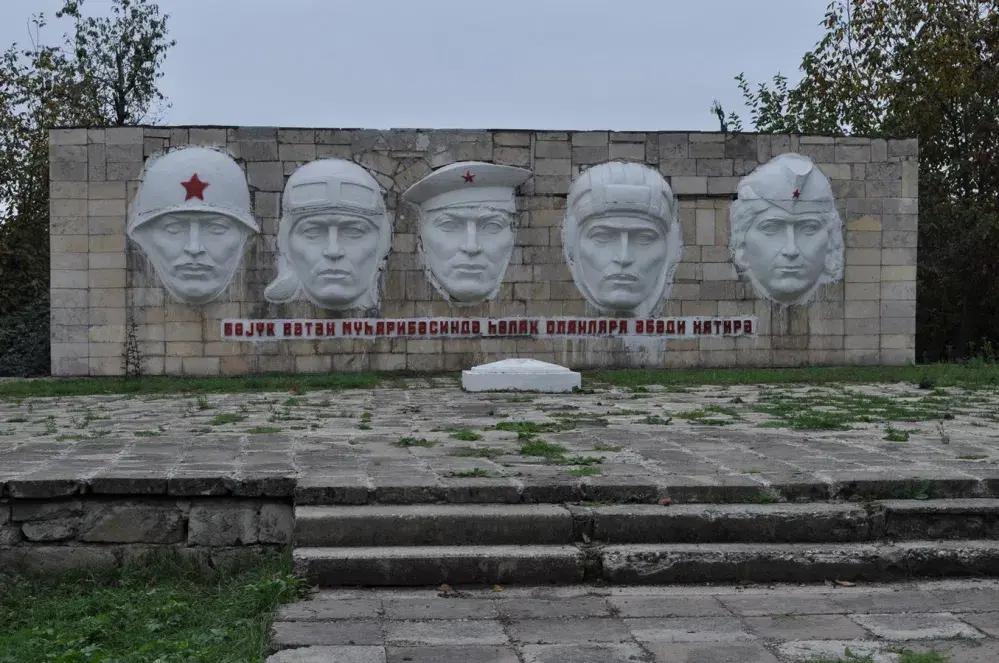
<point>335,255</point>
<point>785,253</point>
<point>620,259</point>
<point>468,249</point>
<point>194,253</point>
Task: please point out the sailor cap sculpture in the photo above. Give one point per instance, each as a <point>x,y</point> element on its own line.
<point>786,234</point>
<point>192,219</point>
<point>467,214</point>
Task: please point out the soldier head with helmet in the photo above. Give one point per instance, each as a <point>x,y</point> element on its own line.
<point>786,234</point>
<point>333,237</point>
<point>192,219</point>
<point>622,238</point>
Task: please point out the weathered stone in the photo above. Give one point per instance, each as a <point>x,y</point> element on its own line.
<point>56,529</point>
<point>223,523</point>
<point>132,522</point>
<point>22,511</point>
<point>277,523</point>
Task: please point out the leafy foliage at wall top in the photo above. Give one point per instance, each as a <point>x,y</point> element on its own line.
<point>927,69</point>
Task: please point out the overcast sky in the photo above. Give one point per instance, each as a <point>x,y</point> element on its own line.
<point>565,64</point>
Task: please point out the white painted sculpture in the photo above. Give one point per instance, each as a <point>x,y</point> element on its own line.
<point>622,238</point>
<point>192,219</point>
<point>467,227</point>
<point>520,375</point>
<point>786,234</point>
<point>333,237</point>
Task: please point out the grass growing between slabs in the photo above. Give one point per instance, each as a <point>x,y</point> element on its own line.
<point>154,609</point>
<point>969,375</point>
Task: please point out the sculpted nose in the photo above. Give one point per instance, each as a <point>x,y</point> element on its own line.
<point>790,249</point>
<point>471,246</point>
<point>194,246</point>
<point>333,248</point>
<point>623,255</point>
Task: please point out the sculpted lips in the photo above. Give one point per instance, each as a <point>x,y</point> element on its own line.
<point>622,279</point>
<point>194,269</point>
<point>469,268</point>
<point>334,274</point>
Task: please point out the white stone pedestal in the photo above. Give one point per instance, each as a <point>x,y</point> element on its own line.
<point>520,375</point>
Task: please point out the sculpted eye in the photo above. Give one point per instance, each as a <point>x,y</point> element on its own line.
<point>600,236</point>
<point>174,228</point>
<point>770,227</point>
<point>493,227</point>
<point>449,225</point>
<point>217,228</point>
<point>352,232</point>
<point>312,232</point>
<point>810,227</point>
<point>646,237</point>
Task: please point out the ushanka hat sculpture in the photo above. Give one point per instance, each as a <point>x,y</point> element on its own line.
<point>467,216</point>
<point>192,219</point>
<point>786,234</point>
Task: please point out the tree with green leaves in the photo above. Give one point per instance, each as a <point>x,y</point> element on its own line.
<point>105,72</point>
<point>914,68</point>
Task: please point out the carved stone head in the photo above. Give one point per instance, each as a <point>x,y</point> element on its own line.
<point>333,237</point>
<point>467,227</point>
<point>786,234</point>
<point>622,238</point>
<point>192,219</point>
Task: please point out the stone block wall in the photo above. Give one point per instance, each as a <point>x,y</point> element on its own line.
<point>101,283</point>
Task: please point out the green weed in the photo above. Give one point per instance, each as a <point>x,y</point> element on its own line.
<point>223,418</point>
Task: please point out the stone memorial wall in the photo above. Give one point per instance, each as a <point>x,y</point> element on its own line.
<point>223,251</point>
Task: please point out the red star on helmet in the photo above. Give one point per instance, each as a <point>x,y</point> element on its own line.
<point>468,177</point>
<point>796,194</point>
<point>195,188</point>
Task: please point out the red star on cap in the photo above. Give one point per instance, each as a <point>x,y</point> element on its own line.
<point>796,194</point>
<point>468,177</point>
<point>195,188</point>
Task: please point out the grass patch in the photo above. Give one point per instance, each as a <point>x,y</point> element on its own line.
<point>534,427</point>
<point>602,446</point>
<point>155,608</point>
<point>519,399</point>
<point>708,415</point>
<point>465,435</point>
<point>580,460</point>
<point>64,438</point>
<point>838,409</point>
<point>904,656</point>
<point>656,420</point>
<point>542,449</point>
<point>970,375</point>
<point>13,389</point>
<point>477,473</point>
<point>17,420</point>
<point>147,433</point>
<point>893,434</point>
<point>763,497</point>
<point>263,430</point>
<point>973,457</point>
<point>224,418</point>
<point>583,471</point>
<point>582,419</point>
<point>407,442</point>
<point>478,452</point>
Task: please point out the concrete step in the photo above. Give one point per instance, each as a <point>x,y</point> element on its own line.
<point>548,524</point>
<point>433,525</point>
<point>645,564</point>
<point>740,562</point>
<point>433,565</point>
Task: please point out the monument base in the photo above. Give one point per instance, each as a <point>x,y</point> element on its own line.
<point>520,375</point>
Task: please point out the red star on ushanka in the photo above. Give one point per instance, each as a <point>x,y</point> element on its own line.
<point>195,188</point>
<point>468,177</point>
